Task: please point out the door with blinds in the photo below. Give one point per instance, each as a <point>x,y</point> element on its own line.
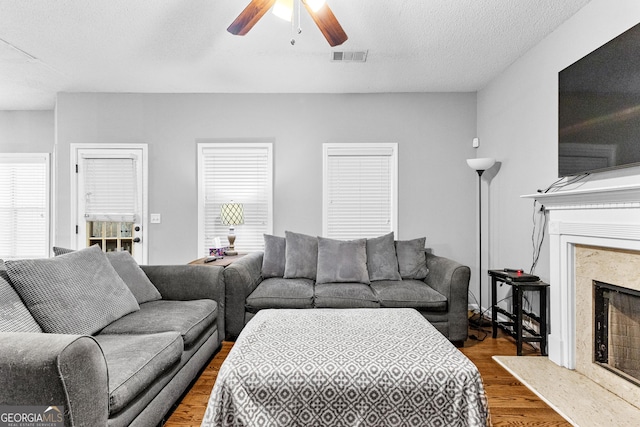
<point>110,199</point>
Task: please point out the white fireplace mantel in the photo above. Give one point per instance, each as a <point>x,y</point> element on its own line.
<point>626,196</point>
<point>606,217</point>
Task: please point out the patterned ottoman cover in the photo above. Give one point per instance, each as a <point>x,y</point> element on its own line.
<point>345,367</point>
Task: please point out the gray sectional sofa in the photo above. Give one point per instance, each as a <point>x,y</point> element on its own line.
<point>305,272</point>
<point>104,340</point>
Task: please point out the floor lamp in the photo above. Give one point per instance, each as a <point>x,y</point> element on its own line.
<point>480,165</point>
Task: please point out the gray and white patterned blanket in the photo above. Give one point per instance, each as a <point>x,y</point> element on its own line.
<point>342,367</point>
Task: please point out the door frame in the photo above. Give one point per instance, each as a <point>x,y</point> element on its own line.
<point>75,220</point>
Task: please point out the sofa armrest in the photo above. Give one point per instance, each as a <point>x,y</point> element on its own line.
<point>55,370</point>
<point>186,282</point>
<point>451,279</point>
<point>241,278</point>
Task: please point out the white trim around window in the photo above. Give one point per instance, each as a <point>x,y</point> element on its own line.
<point>360,190</point>
<point>240,172</point>
<point>25,205</point>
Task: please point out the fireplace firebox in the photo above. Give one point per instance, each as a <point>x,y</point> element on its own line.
<point>617,330</point>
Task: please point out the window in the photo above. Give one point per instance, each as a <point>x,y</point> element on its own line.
<point>360,190</point>
<point>24,206</point>
<point>238,172</point>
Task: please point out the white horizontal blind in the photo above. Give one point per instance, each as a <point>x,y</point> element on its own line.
<point>110,189</point>
<point>24,206</point>
<point>359,190</point>
<point>242,173</point>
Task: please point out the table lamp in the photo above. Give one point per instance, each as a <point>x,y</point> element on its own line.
<point>232,214</point>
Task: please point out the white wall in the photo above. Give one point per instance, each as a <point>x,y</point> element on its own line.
<point>434,132</point>
<point>517,123</point>
<point>26,131</point>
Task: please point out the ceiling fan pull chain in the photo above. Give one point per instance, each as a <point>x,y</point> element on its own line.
<point>293,23</point>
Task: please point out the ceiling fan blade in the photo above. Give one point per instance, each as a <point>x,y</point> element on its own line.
<point>328,24</point>
<point>249,16</point>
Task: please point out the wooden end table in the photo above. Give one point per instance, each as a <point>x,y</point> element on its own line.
<point>514,326</point>
<point>222,262</point>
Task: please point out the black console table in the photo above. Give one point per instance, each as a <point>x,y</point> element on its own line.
<point>520,282</point>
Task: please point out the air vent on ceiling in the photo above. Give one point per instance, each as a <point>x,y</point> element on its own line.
<point>349,56</point>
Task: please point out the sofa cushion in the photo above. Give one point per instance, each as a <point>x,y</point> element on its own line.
<point>134,362</point>
<point>273,260</point>
<point>14,316</point>
<point>76,293</point>
<point>133,276</point>
<point>412,260</point>
<point>342,261</point>
<point>189,318</point>
<point>382,262</point>
<point>409,294</point>
<point>57,250</point>
<point>129,271</point>
<point>345,295</point>
<point>301,256</point>
<point>281,293</point>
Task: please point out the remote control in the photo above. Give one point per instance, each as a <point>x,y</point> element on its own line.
<point>514,270</point>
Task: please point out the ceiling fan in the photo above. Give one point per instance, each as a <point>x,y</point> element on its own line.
<point>319,11</point>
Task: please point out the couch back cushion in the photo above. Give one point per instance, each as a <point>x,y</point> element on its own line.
<point>14,315</point>
<point>76,293</point>
<point>382,261</point>
<point>412,259</point>
<point>129,271</point>
<point>133,276</point>
<point>301,256</point>
<point>273,261</point>
<point>342,261</point>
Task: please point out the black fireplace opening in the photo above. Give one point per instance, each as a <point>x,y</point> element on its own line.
<point>617,330</point>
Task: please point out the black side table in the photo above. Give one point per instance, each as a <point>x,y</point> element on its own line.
<point>514,326</point>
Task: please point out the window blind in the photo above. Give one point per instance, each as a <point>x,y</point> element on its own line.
<point>110,189</point>
<point>359,190</point>
<point>241,173</point>
<point>24,206</point>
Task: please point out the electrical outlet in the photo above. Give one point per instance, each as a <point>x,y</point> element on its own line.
<point>476,142</point>
<point>155,218</point>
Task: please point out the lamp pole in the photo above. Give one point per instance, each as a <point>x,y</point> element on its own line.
<point>480,172</point>
<point>480,165</point>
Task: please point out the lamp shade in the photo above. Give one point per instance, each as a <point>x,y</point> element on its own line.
<point>482,163</point>
<point>232,213</point>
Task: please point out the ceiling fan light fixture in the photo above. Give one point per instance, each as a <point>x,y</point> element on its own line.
<point>283,9</point>
<point>315,5</point>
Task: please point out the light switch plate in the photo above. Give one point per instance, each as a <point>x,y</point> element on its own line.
<point>155,218</point>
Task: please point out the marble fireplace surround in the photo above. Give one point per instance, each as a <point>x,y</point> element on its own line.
<point>590,230</point>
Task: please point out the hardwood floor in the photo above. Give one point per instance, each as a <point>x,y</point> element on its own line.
<point>510,402</point>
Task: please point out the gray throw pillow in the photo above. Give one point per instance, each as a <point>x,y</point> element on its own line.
<point>382,262</point>
<point>61,251</point>
<point>129,271</point>
<point>77,293</point>
<point>14,316</point>
<point>273,261</point>
<point>301,256</point>
<point>412,260</point>
<point>342,261</point>
<point>133,276</point>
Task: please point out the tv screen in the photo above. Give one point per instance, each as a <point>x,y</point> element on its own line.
<point>599,108</point>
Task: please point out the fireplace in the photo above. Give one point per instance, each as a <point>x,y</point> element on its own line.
<point>616,318</point>
<point>594,234</point>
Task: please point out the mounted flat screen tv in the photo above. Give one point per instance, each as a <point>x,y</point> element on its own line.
<point>599,108</point>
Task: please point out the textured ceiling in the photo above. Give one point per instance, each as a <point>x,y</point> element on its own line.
<point>171,46</point>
